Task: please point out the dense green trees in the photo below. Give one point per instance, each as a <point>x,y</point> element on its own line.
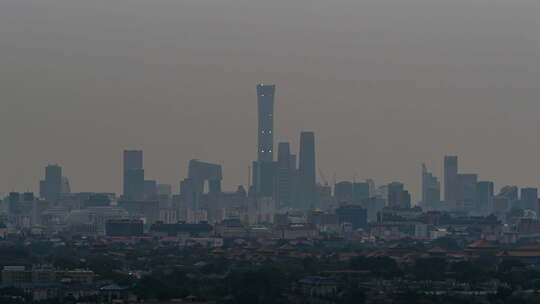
<point>384,267</point>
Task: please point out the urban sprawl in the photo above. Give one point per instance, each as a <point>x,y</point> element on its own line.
<point>283,238</point>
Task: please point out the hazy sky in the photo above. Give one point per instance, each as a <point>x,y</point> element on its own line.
<point>385,85</point>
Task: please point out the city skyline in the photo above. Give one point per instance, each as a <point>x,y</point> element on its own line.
<point>134,182</point>
<point>405,85</point>
<point>269,152</point>
<point>133,169</point>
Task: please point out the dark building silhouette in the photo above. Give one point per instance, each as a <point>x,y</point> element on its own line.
<point>343,192</point>
<point>201,172</point>
<point>265,101</point>
<point>192,188</point>
<point>133,174</point>
<point>450,179</point>
<point>351,192</point>
<point>306,171</point>
<point>529,198</point>
<point>466,192</point>
<point>398,197</point>
<point>353,214</point>
<point>97,200</point>
<point>268,179</point>
<point>286,166</point>
<point>511,193</point>
<point>431,189</point>
<point>150,189</point>
<point>51,186</point>
<point>484,196</point>
<point>264,168</point>
<point>360,191</point>
<point>188,193</point>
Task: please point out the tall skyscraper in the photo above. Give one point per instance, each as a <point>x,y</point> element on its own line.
<point>398,197</point>
<point>51,186</point>
<point>431,189</point>
<point>529,198</point>
<point>306,171</point>
<point>285,174</point>
<point>484,196</point>
<point>264,168</point>
<point>133,159</point>
<point>133,175</point>
<point>265,101</point>
<point>450,179</point>
<point>466,192</point>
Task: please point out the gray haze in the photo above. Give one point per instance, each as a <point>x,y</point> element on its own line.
<point>385,84</point>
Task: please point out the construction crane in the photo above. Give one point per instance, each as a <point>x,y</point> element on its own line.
<point>323,177</point>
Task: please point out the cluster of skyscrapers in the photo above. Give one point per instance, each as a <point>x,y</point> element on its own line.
<point>291,185</point>
<point>465,193</point>
<point>281,183</point>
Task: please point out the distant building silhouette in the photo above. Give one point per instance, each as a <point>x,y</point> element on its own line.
<point>398,197</point>
<point>150,189</point>
<point>306,171</point>
<point>343,192</point>
<point>484,196</point>
<point>265,169</point>
<point>360,191</point>
<point>286,167</point>
<point>51,186</point>
<point>431,189</point>
<point>164,189</point>
<point>265,101</point>
<point>133,174</point>
<point>351,192</point>
<point>201,172</point>
<point>466,192</point>
<point>511,194</point>
<point>450,179</point>
<point>529,198</point>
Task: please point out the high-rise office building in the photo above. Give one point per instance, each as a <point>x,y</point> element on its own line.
<point>133,174</point>
<point>51,186</point>
<point>484,196</point>
<point>285,174</point>
<point>306,171</point>
<point>343,192</point>
<point>351,192</point>
<point>398,197</point>
<point>431,189</point>
<point>353,214</point>
<point>360,191</point>
<point>265,101</point>
<point>264,168</point>
<point>133,159</point>
<point>466,192</point>
<point>150,189</point>
<point>529,198</point>
<point>450,179</point>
